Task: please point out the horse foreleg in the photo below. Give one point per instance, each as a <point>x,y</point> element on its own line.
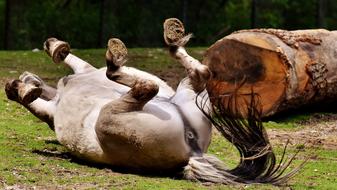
<point>119,127</point>
<point>135,99</point>
<point>60,51</point>
<point>175,38</point>
<point>27,94</point>
<point>44,110</point>
<point>48,92</point>
<point>116,58</point>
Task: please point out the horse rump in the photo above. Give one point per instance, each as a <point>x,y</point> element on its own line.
<point>244,129</point>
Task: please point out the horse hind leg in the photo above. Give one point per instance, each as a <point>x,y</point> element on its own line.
<point>175,38</point>
<point>60,51</point>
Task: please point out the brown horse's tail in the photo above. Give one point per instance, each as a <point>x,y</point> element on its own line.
<point>244,129</point>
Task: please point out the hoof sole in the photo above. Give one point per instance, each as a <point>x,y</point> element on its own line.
<point>56,49</point>
<point>174,31</point>
<point>116,52</point>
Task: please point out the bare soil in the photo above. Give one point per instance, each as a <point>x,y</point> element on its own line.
<point>172,76</point>
<point>319,131</point>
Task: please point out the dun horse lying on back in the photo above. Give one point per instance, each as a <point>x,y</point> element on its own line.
<point>128,118</point>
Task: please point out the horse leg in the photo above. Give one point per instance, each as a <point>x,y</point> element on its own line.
<point>130,137</point>
<point>60,51</point>
<point>48,92</point>
<point>28,95</point>
<point>175,38</point>
<point>191,90</point>
<point>116,58</point>
<point>134,100</point>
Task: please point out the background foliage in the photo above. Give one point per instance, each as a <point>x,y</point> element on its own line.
<point>89,23</point>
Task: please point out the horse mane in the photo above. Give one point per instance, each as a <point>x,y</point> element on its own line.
<point>238,118</point>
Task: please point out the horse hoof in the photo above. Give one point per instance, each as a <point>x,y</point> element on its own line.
<point>11,89</point>
<point>116,52</point>
<point>29,93</point>
<point>30,78</point>
<point>174,33</point>
<point>56,49</point>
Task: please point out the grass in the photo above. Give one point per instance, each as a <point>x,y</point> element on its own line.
<point>31,157</point>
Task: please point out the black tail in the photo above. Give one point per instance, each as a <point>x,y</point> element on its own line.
<point>242,126</point>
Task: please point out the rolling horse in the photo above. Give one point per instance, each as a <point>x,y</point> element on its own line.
<point>124,117</point>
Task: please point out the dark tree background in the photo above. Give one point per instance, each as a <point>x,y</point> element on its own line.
<point>25,24</point>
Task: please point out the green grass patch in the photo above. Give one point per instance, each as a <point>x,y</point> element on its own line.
<point>280,125</point>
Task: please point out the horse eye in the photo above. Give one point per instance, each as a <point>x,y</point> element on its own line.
<point>190,135</point>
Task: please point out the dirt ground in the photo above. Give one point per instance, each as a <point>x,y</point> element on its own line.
<point>319,131</point>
